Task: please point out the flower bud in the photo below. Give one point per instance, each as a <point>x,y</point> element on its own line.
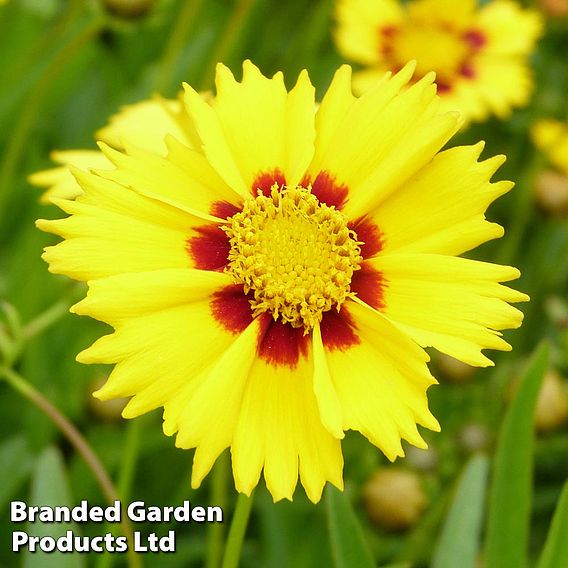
<point>556,308</point>
<point>552,192</point>
<point>422,459</point>
<point>454,370</point>
<point>129,9</point>
<point>474,437</point>
<point>394,498</point>
<point>480,562</point>
<point>552,404</point>
<point>554,8</point>
<point>105,410</point>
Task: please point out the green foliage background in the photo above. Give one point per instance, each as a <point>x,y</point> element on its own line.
<point>66,67</point>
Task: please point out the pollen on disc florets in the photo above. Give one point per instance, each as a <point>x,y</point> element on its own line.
<point>294,254</point>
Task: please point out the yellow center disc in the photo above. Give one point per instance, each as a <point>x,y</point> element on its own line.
<point>296,255</point>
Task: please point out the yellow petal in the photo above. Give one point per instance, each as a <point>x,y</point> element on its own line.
<point>337,100</point>
<point>373,166</point>
<point>340,113</point>
<point>453,192</point>
<point>217,400</point>
<point>509,29</point>
<point>502,83</point>
<point>116,299</point>
<point>366,79</point>
<point>60,182</point>
<point>405,157</point>
<point>359,24</point>
<point>255,126</point>
<point>381,383</point>
<point>279,428</point>
<point>465,97</point>
<point>114,230</point>
<point>157,355</point>
<point>328,402</point>
<point>458,15</point>
<point>193,189</point>
<point>453,304</point>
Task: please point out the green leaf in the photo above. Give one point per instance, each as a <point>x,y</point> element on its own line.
<point>511,488</point>
<point>555,552</point>
<point>459,542</point>
<point>348,544</point>
<point>16,459</point>
<point>50,488</point>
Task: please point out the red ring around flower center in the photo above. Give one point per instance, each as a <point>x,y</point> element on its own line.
<point>280,344</point>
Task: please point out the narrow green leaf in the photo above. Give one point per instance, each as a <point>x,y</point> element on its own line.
<point>16,459</point>
<point>555,552</point>
<point>399,565</point>
<point>50,488</point>
<point>511,487</point>
<point>459,542</point>
<point>348,545</point>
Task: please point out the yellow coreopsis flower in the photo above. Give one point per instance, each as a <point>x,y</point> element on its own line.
<point>274,285</point>
<point>144,124</point>
<point>479,54</point>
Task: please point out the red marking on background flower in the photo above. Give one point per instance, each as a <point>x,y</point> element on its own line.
<point>265,180</point>
<point>224,209</point>
<point>210,249</point>
<point>280,344</point>
<point>368,283</point>
<point>467,71</point>
<point>388,31</point>
<point>338,330</point>
<point>475,38</point>
<point>231,308</point>
<point>443,87</point>
<point>327,190</point>
<point>386,34</point>
<point>369,234</point>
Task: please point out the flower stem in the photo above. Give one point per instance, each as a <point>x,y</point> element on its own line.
<point>218,498</point>
<point>125,477</point>
<point>72,11</point>
<point>45,320</point>
<point>77,441</point>
<point>226,42</point>
<point>68,429</point>
<point>185,22</point>
<point>129,457</point>
<point>28,115</point>
<point>237,531</point>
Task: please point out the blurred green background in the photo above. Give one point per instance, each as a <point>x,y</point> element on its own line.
<point>66,67</point>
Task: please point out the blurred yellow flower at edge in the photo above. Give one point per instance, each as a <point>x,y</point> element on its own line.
<point>273,284</point>
<point>479,54</point>
<point>144,124</point>
<point>551,137</point>
<point>551,186</point>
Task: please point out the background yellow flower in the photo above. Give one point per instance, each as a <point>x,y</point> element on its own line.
<point>551,137</point>
<point>144,125</point>
<point>479,53</point>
